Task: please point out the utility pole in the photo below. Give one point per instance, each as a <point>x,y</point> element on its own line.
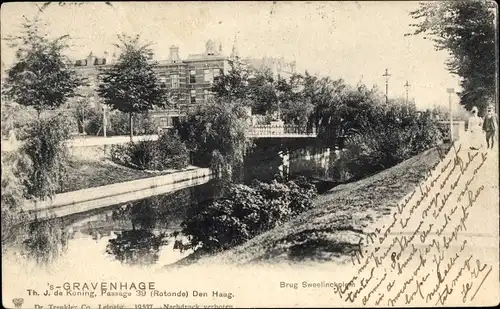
<point>450,91</point>
<point>386,75</point>
<point>407,86</point>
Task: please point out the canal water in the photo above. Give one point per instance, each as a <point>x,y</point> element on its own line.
<point>144,233</point>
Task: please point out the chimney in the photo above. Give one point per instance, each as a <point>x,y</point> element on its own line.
<point>210,48</point>
<point>174,53</point>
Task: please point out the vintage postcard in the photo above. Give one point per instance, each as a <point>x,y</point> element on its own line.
<point>249,154</point>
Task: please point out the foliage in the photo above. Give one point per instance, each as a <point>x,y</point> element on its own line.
<point>466,29</point>
<point>232,84</point>
<point>93,125</point>
<point>131,85</point>
<point>12,194</point>
<point>81,112</point>
<point>216,134</point>
<point>15,116</point>
<point>263,93</point>
<point>136,247</point>
<point>45,146</point>
<point>395,134</point>
<point>168,152</point>
<point>39,77</point>
<point>245,212</point>
<point>46,241</point>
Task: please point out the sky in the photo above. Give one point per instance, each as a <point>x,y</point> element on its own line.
<point>355,41</point>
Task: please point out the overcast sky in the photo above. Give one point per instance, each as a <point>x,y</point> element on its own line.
<point>350,40</point>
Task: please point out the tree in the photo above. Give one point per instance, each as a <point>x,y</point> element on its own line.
<point>40,77</point>
<point>81,112</point>
<point>12,194</point>
<point>217,134</point>
<point>466,29</point>
<point>233,83</point>
<point>131,85</point>
<point>47,153</point>
<point>262,92</point>
<point>296,107</point>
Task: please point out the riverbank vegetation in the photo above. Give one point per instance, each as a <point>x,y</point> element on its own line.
<point>245,212</point>
<point>167,152</point>
<point>329,229</point>
<point>36,171</point>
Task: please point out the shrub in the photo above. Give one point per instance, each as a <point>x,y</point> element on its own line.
<point>397,136</point>
<point>93,125</point>
<point>12,195</point>
<point>172,152</point>
<point>47,156</point>
<point>165,153</point>
<point>246,211</point>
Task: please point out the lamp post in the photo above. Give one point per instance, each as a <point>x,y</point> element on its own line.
<point>104,120</point>
<point>386,75</point>
<point>407,87</point>
<point>450,91</point>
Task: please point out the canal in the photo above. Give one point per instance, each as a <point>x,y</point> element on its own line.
<point>144,233</point>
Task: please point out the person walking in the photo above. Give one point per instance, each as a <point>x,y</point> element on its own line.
<point>474,128</point>
<point>490,126</point>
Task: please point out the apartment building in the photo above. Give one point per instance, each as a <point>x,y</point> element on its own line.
<point>189,81</point>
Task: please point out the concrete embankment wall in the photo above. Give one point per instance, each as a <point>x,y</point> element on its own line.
<point>93,198</point>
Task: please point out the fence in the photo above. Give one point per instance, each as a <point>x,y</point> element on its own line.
<point>276,130</point>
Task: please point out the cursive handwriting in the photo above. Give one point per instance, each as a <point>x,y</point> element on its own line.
<point>419,253</point>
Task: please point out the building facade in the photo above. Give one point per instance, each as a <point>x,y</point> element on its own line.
<point>188,81</point>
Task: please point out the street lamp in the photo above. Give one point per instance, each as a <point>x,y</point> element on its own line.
<point>386,75</point>
<point>450,91</point>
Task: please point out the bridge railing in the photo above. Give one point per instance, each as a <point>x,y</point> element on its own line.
<point>288,129</point>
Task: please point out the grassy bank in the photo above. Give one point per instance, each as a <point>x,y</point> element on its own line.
<point>89,170</point>
<point>330,230</point>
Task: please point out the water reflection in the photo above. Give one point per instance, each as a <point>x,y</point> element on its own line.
<point>45,242</point>
<point>137,247</point>
<point>145,233</point>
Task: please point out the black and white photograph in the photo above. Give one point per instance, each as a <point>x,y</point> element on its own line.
<point>249,154</point>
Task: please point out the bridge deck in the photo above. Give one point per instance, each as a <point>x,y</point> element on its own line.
<point>88,141</point>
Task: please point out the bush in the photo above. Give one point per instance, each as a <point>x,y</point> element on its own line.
<point>246,211</point>
<point>165,153</point>
<point>47,156</point>
<point>12,195</point>
<point>398,135</point>
<point>93,125</point>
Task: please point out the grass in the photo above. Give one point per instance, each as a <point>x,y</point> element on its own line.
<point>87,172</point>
<point>330,230</point>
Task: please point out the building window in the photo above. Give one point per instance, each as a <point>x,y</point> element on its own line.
<point>193,96</point>
<point>163,122</point>
<point>192,77</point>
<point>205,95</point>
<point>163,81</point>
<point>209,75</point>
<point>217,72</point>
<point>175,81</point>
